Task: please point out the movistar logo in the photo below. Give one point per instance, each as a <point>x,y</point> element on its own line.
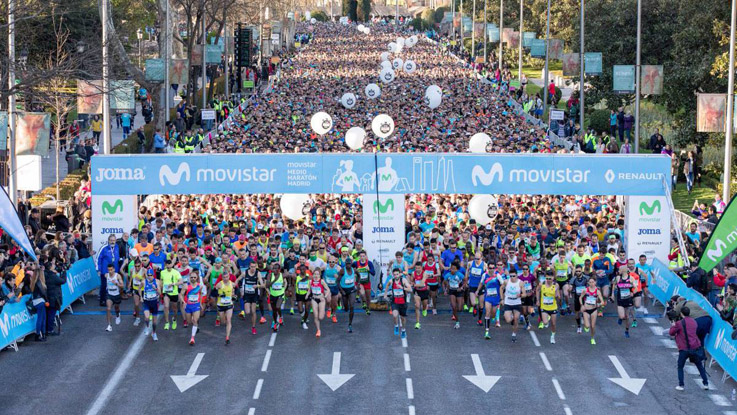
<point>646,209</point>
<point>174,177</point>
<point>479,174</point>
<point>715,254</point>
<point>386,177</point>
<point>9,321</point>
<point>107,209</point>
<point>725,346</point>
<point>379,208</point>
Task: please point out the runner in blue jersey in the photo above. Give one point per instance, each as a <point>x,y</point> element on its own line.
<point>331,279</point>
<point>347,288</point>
<point>474,273</point>
<point>490,286</point>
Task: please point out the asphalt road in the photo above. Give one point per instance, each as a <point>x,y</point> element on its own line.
<point>87,370</point>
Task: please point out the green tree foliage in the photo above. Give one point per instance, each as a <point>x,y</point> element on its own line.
<point>320,16</point>
<point>599,121</point>
<point>364,10</point>
<point>353,10</point>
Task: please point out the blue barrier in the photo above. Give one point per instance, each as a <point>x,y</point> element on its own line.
<point>16,322</point>
<point>82,277</point>
<point>665,284</point>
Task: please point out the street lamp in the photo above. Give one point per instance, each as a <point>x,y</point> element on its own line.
<point>139,33</point>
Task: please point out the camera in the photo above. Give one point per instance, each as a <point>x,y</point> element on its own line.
<point>671,312</point>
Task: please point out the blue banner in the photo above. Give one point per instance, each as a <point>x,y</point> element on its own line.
<point>443,173</point>
<point>16,321</point>
<point>82,277</point>
<point>665,284</point>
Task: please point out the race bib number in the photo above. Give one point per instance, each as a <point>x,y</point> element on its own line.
<point>625,292</point>
<point>349,281</point>
<point>398,292</point>
<point>492,293</point>
<point>528,286</point>
<point>579,290</point>
<point>316,290</point>
<point>453,284</point>
<point>302,285</point>
<point>249,289</point>
<point>476,271</point>
<point>226,300</point>
<point>590,300</point>
<point>330,280</point>
<point>548,300</point>
<point>168,288</point>
<point>150,295</point>
<point>136,283</point>
<point>277,285</point>
<point>192,298</point>
<point>364,276</point>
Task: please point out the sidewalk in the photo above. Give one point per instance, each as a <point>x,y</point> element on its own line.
<point>48,164</point>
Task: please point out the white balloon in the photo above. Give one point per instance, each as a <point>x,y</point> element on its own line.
<point>400,41</point>
<point>348,100</point>
<point>384,56</point>
<point>413,40</point>
<point>433,99</point>
<point>433,88</point>
<point>373,91</point>
<point>366,30</point>
<point>382,125</point>
<point>409,66</point>
<point>392,47</point>
<point>386,65</point>
<point>483,208</point>
<point>478,143</point>
<point>387,76</point>
<point>321,122</point>
<point>295,206</point>
<point>354,138</point>
<point>313,20</point>
<point>360,27</point>
<point>397,64</point>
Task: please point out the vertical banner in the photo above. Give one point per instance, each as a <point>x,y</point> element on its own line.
<point>571,63</point>
<point>33,133</point>
<point>711,113</point>
<point>178,71</point>
<point>213,53</point>
<point>155,70</point>
<point>3,130</point>
<point>623,79</point>
<point>122,96</point>
<point>651,78</point>
<point>112,215</point>
<point>16,321</point>
<point>592,63</point>
<point>492,31</point>
<point>506,34</point>
<point>723,240</point>
<point>514,39</point>
<point>196,55</point>
<point>467,24</point>
<point>537,48</point>
<point>527,38</point>
<point>648,227</point>
<point>383,226</point>
<point>556,49</point>
<point>89,97</point>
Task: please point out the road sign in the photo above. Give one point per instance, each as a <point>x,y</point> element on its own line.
<point>482,380</point>
<point>185,382</point>
<point>208,115</point>
<point>624,380</point>
<point>335,379</point>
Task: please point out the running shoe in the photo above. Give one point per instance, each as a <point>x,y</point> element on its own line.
<point>579,331</point>
<point>253,330</point>
<point>166,326</point>
<point>528,326</point>
<point>117,320</point>
<point>227,341</point>
<point>137,321</point>
<point>242,315</point>
<point>480,323</point>
<point>552,339</point>
<point>396,330</point>
<point>465,307</point>
<point>329,313</point>
<point>185,324</point>
<point>404,334</point>
<point>191,341</point>
<point>335,319</point>
<point>317,334</point>
<point>363,305</point>
<point>275,327</point>
<point>593,342</point>
<point>497,324</point>
<point>262,320</point>
<point>217,322</point>
<point>601,314</point>
<point>705,386</point>
<point>304,325</point>
<point>634,323</point>
<point>281,321</point>
<point>145,331</point>
<point>474,311</point>
<point>619,321</point>
<point>368,312</point>
<point>434,312</point>
<point>350,329</point>
<point>424,313</point>
<point>155,337</point>
<point>291,311</point>
<point>540,326</point>
<point>109,328</point>
<point>627,334</point>
<point>457,325</point>
<point>586,329</point>
<point>453,318</point>
<point>514,337</point>
<point>487,336</point>
<point>174,325</point>
<point>679,388</point>
<point>417,325</point>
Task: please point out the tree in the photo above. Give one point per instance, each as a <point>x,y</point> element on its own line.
<point>353,10</point>
<point>365,10</point>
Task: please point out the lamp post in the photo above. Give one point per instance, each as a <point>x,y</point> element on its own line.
<point>501,32</point>
<point>139,34</point>
<point>12,178</point>
<point>521,39</point>
<point>547,56</point>
<point>106,141</point>
<point>730,110</point>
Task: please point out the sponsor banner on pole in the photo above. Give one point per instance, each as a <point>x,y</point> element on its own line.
<point>527,38</point>
<point>651,78</point>
<point>558,174</point>
<point>82,278</point>
<point>16,321</point>
<point>112,215</point>
<point>383,226</point>
<point>89,97</point>
<point>711,113</point>
<point>178,71</point>
<point>623,79</point>
<point>492,32</point>
<point>571,63</point>
<point>122,95</point>
<point>3,130</point>
<point>155,70</point>
<point>648,227</point>
<point>723,240</point>
<point>214,53</point>
<point>537,48</point>
<point>514,39</point>
<point>33,132</point>
<point>467,24</point>
<point>592,63</point>
<point>556,49</point>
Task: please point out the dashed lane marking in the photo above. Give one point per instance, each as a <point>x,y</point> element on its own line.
<point>546,362</point>
<point>558,390</point>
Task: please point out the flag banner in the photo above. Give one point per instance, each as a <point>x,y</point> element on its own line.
<point>556,49</point>
<point>33,133</point>
<point>527,38</point>
<point>537,48</point>
<point>592,63</point>
<point>623,79</point>
<point>651,80</point>
<point>492,32</point>
<point>155,70</point>
<point>178,72</point>
<point>514,40</point>
<point>10,222</point>
<point>214,53</point>
<point>89,97</point>
<point>723,240</point>
<point>571,64</point>
<point>711,113</point>
<point>196,55</point>
<point>122,95</point>
<point>3,130</point>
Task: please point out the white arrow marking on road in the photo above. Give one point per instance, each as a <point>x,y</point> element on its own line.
<point>335,379</point>
<point>624,380</point>
<point>480,379</point>
<point>185,382</point>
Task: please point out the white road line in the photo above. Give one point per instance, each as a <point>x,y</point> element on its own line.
<point>729,413</point>
<point>567,410</point>
<point>407,367</point>
<point>267,358</point>
<point>546,362</point>
<point>657,330</point>
<point>534,339</point>
<point>720,400</point>
<point>251,411</point>
<point>114,380</point>
<point>650,320</point>
<point>669,343</point>
<point>700,383</point>
<point>257,392</point>
<point>411,410</point>
<point>272,340</point>
<point>561,395</point>
<point>404,342</point>
<point>410,390</point>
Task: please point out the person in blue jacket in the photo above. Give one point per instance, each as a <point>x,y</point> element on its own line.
<point>109,254</point>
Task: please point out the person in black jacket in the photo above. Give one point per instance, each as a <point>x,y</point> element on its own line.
<point>37,285</point>
<point>61,222</point>
<point>55,277</point>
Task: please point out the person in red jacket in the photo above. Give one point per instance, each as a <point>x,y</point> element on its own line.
<point>689,346</point>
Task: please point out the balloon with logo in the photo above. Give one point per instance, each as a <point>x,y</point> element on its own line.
<point>409,66</point>
<point>411,41</point>
<point>386,65</point>
<point>366,30</point>
<point>354,138</point>
<point>478,143</point>
<point>321,122</point>
<point>384,56</point>
<point>387,76</point>
<point>348,100</point>
<point>295,206</point>
<point>433,88</point>
<point>313,20</point>
<point>392,47</point>
<point>400,42</point>
<point>360,27</point>
<point>382,125</point>
<point>397,64</point>
<point>433,100</point>
<point>483,208</point>
<point>372,91</point>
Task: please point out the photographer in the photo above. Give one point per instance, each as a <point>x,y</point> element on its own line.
<point>728,303</point>
<point>702,318</point>
<point>683,329</point>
